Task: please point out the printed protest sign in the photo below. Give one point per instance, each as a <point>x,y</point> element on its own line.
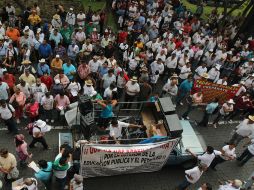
<point>107,160</point>
<point>211,90</point>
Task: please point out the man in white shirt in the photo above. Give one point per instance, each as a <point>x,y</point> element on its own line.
<point>234,185</point>
<point>157,66</point>
<point>200,71</point>
<point>132,89</point>
<point>192,176</point>
<point>171,63</point>
<point>214,73</point>
<point>70,18</point>
<point>244,130</point>
<point>226,108</point>
<point>115,129</point>
<point>207,157</point>
<point>81,17</point>
<point>94,65</point>
<point>227,153</point>
<point>38,90</point>
<point>171,87</point>
<point>6,114</point>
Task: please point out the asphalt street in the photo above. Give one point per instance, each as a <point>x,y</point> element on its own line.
<point>166,179</point>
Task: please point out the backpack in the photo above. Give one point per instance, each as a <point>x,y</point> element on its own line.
<point>30,128</point>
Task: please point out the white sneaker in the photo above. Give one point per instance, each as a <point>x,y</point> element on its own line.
<point>47,120</point>
<point>18,121</point>
<point>66,187</point>
<point>52,121</point>
<point>181,103</point>
<point>25,116</point>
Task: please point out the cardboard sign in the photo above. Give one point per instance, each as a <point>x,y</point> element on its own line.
<point>211,90</point>
<point>108,160</point>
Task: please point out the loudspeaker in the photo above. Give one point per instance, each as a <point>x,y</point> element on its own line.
<point>173,125</point>
<point>85,105</point>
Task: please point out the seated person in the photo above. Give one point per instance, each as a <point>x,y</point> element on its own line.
<point>115,129</point>
<point>155,135</point>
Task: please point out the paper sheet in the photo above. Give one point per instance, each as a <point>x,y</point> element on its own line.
<point>16,185</point>
<point>34,166</point>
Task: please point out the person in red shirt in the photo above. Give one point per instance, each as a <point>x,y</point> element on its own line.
<point>243,103</point>
<point>122,36</point>
<point>47,80</point>
<point>10,80</point>
<point>187,28</point>
<point>178,42</point>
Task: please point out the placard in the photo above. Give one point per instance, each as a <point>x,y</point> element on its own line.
<point>108,160</point>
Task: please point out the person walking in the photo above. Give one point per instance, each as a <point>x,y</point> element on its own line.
<point>7,115</point>
<point>207,157</point>
<point>244,130</point>
<point>227,153</point>
<point>196,100</point>
<point>8,165</point>
<point>192,176</point>
<point>18,100</point>
<point>38,133</point>
<point>209,110</point>
<point>21,149</point>
<point>184,89</point>
<point>45,173</point>
<point>247,154</point>
<point>60,168</point>
<point>226,108</point>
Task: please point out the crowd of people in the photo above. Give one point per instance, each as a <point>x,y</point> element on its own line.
<point>161,49</point>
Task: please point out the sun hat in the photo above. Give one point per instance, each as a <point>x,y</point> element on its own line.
<point>26,62</point>
<point>42,60</point>
<point>57,81</point>
<point>205,75</point>
<point>174,76</point>
<point>56,16</point>
<point>71,9</point>
<point>134,79</point>
<point>38,30</point>
<point>89,82</point>
<point>26,28</point>
<point>42,125</point>
<point>57,56</point>
<point>94,29</point>
<point>78,178</point>
<point>238,183</point>
<point>251,117</point>
<point>231,101</point>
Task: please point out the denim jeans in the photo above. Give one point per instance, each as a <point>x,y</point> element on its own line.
<point>61,183</point>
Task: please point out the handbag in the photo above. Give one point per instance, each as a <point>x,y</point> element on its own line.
<point>14,174</point>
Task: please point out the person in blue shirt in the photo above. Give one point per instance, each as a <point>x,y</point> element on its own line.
<point>56,37</point>
<point>42,68</point>
<point>103,69</point>
<point>184,89</point>
<point>107,112</point>
<point>69,70</point>
<point>210,109</point>
<point>45,50</point>
<point>45,173</point>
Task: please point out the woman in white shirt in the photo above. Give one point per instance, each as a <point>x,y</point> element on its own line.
<point>227,153</point>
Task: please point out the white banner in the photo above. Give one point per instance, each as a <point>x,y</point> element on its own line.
<point>107,160</point>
